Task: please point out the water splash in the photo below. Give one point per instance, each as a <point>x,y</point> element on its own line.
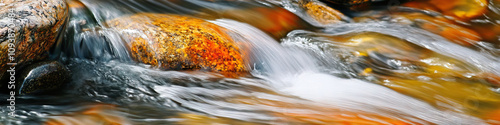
<point>293,72</point>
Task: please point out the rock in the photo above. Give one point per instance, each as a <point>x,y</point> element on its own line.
<point>488,25</point>
<point>321,13</point>
<point>43,77</point>
<point>38,24</point>
<point>275,21</point>
<point>461,9</point>
<point>179,42</point>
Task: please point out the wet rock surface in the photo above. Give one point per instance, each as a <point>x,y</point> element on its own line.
<point>322,71</point>
<point>179,42</point>
<point>37,26</point>
<point>277,22</point>
<point>43,77</point>
<point>322,13</point>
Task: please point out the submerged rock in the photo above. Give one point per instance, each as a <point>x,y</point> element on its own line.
<point>442,81</point>
<point>43,77</point>
<point>275,21</point>
<point>460,9</point>
<point>179,42</point>
<point>31,27</point>
<point>488,25</point>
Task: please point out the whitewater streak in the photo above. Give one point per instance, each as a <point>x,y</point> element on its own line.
<point>293,72</point>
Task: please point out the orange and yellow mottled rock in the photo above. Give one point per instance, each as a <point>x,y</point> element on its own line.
<point>96,115</point>
<point>437,24</point>
<point>37,26</point>
<point>179,42</point>
<point>461,9</point>
<point>321,13</point>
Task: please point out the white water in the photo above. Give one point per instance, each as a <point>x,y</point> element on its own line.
<point>293,72</point>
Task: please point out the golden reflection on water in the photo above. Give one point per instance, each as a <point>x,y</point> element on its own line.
<point>444,82</point>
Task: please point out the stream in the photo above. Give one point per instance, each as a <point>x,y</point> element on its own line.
<point>372,72</point>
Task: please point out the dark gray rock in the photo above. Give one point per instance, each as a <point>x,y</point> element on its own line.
<point>43,77</point>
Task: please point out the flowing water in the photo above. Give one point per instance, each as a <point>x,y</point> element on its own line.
<point>312,75</point>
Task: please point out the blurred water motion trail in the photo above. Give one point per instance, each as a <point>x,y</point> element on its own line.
<point>300,72</point>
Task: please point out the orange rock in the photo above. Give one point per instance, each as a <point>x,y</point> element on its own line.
<point>461,9</point>
<point>275,21</point>
<point>179,42</point>
<point>321,13</point>
<point>488,25</point>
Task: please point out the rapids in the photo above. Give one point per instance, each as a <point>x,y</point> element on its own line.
<point>309,76</point>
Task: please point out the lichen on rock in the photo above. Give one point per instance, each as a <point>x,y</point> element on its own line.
<point>38,24</point>
<point>179,42</point>
<point>321,13</point>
